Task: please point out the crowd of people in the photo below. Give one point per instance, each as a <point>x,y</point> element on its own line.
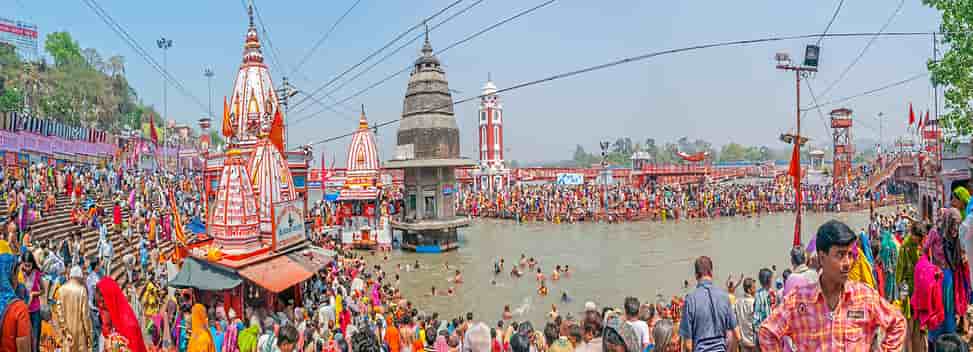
<point>899,281</point>
<point>623,202</point>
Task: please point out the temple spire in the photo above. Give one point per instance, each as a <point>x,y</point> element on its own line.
<point>250,11</point>
<point>362,122</point>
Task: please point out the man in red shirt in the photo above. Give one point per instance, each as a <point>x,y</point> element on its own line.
<point>15,331</point>
<point>835,314</point>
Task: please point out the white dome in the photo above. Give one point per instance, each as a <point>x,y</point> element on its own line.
<point>489,88</point>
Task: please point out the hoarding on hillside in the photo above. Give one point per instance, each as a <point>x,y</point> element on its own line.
<point>21,35</point>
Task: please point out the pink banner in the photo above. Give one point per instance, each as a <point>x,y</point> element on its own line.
<point>50,145</point>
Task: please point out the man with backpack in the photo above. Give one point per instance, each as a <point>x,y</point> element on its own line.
<point>708,323</point>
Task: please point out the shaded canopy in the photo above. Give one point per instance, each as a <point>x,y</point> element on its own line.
<point>203,275</point>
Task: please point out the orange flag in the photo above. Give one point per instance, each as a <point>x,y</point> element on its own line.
<point>277,131</point>
<point>227,126</point>
<point>795,172</point>
<point>912,115</point>
<point>152,133</point>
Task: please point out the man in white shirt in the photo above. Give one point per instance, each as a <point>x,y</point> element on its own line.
<point>632,318</point>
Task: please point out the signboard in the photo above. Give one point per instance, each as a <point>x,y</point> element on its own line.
<point>289,222</point>
<point>570,179</point>
<point>405,152</point>
<point>21,35</point>
<point>447,190</point>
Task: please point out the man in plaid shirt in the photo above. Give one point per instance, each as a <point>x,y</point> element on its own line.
<point>836,314</point>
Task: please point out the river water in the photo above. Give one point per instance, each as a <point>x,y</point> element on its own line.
<point>608,261</point>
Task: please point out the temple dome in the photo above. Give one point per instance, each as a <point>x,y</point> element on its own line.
<point>428,123</point>
<point>363,151</point>
<point>254,101</point>
<point>233,221</point>
<point>272,182</point>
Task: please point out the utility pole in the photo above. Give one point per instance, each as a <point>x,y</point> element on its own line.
<point>286,91</point>
<point>881,133</point>
<point>208,72</point>
<point>805,70</point>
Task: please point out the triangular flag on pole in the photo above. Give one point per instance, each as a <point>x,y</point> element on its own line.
<point>277,131</point>
<point>153,135</point>
<point>227,126</point>
<point>922,122</point>
<point>795,172</point>
<point>912,115</point>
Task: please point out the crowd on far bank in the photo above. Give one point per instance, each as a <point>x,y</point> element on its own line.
<point>591,202</point>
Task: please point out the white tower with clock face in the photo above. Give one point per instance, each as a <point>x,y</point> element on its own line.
<point>491,174</point>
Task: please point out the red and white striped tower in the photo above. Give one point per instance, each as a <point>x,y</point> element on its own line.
<point>492,173</point>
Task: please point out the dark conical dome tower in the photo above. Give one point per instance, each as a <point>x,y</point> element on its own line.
<point>428,153</point>
<point>427,113</point>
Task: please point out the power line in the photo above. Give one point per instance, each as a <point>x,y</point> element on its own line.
<point>868,92</point>
<point>453,45</point>
<point>390,54</point>
<point>830,22</point>
<point>274,53</point>
<point>324,37</point>
<point>132,43</point>
<point>651,55</point>
<point>820,114</point>
<point>864,49</point>
<point>370,56</point>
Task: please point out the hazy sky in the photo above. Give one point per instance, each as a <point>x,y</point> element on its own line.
<point>718,94</point>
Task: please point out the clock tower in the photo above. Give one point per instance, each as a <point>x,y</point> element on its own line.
<point>491,173</point>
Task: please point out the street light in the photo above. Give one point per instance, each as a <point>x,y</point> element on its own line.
<point>809,66</point>
<point>165,44</point>
<point>881,135</point>
<point>208,72</point>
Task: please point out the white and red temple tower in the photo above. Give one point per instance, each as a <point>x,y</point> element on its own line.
<point>491,174</point>
<point>233,221</point>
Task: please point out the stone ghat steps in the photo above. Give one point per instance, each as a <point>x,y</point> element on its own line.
<point>57,226</point>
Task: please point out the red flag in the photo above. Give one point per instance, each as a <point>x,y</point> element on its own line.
<point>152,133</point>
<point>922,121</point>
<point>795,172</point>
<point>277,131</point>
<point>912,115</point>
<point>926,119</point>
<point>227,125</point>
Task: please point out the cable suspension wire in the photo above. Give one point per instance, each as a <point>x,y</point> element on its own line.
<point>868,92</point>
<point>132,43</point>
<point>864,49</point>
<point>390,54</point>
<point>830,22</point>
<point>655,54</point>
<point>439,52</point>
<point>274,53</point>
<point>370,56</point>
<point>827,128</point>
<point>324,37</point>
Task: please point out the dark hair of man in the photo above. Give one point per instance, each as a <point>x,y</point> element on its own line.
<point>612,338</point>
<point>798,257</point>
<point>288,334</point>
<point>748,285</point>
<point>631,306</point>
<point>703,266</point>
<point>833,233</point>
<point>764,276</point>
<point>950,343</point>
<point>593,324</point>
<point>550,333</point>
<point>469,316</point>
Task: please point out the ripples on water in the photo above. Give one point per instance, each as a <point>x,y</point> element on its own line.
<point>608,262</point>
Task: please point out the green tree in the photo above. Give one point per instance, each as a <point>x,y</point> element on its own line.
<point>63,48</point>
<point>11,100</point>
<point>215,138</point>
<point>954,70</point>
<point>733,152</point>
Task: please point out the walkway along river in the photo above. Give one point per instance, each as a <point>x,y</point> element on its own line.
<point>607,261</point>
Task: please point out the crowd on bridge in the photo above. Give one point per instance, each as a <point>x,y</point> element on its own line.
<point>624,202</point>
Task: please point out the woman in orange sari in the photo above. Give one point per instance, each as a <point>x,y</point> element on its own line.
<point>200,340</point>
